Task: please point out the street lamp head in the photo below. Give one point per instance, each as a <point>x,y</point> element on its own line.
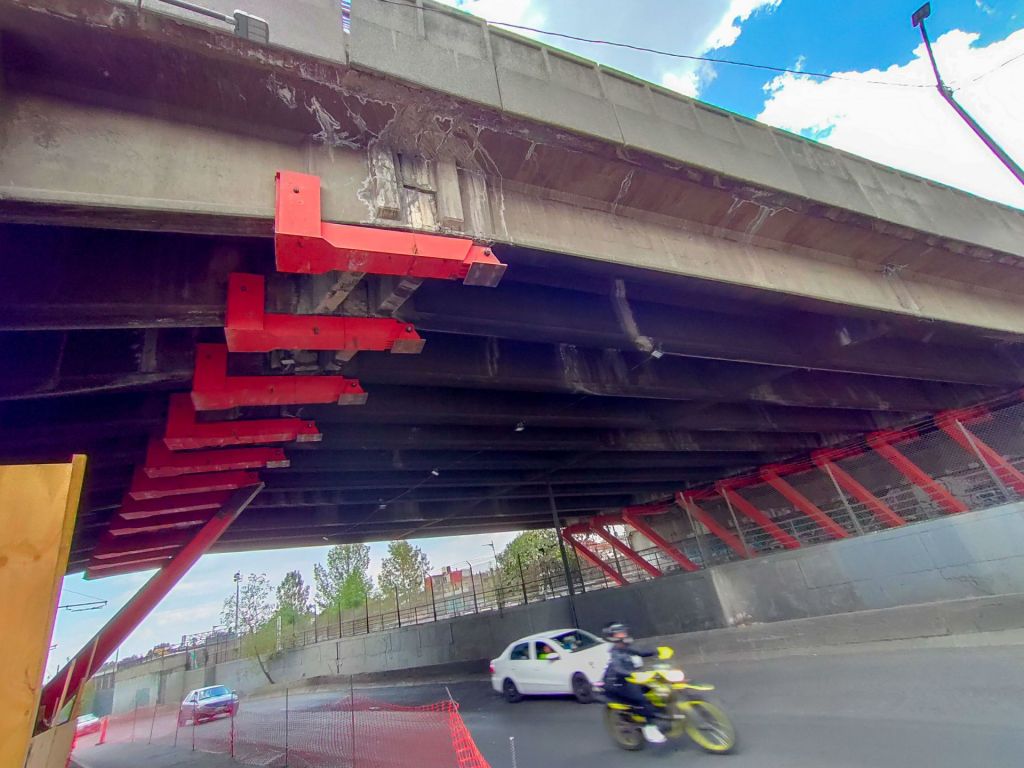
<point>921,14</point>
<point>238,575</point>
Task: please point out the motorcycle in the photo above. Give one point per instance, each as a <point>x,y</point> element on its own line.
<point>683,710</point>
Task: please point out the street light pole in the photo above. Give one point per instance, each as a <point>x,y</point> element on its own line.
<point>476,607</point>
<point>946,92</point>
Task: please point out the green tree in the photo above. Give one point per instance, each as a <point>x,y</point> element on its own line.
<point>255,614</point>
<point>292,598</point>
<point>343,581</point>
<point>538,551</point>
<point>404,569</point>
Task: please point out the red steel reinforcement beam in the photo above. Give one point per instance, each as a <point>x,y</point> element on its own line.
<point>588,555</point>
<point>74,674</point>
<point>214,390</point>
<point>635,520</point>
<point>304,243</point>
<point>112,547</point>
<point>141,509</point>
<point>128,564</point>
<point>881,442</point>
<point>143,487</point>
<point>882,511</point>
<point>120,526</point>
<point>628,552</point>
<point>185,432</point>
<point>953,425</point>
<point>161,462</point>
<point>759,517</point>
<point>249,328</point>
<point>688,502</point>
<point>805,505</point>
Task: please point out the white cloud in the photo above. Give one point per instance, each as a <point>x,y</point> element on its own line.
<point>524,12</point>
<point>728,29</point>
<point>913,128</point>
<point>686,82</point>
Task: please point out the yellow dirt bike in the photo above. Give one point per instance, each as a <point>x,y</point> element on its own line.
<point>682,710</point>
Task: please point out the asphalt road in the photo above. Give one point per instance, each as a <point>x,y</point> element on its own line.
<point>931,707</point>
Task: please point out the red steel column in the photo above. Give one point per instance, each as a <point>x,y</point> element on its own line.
<point>758,517</point>
<point>805,505</point>
<point>605,534</point>
<point>878,508</point>
<point>612,574</point>
<point>1008,474</point>
<point>97,650</point>
<point>689,503</point>
<point>658,540</point>
<point>881,442</point>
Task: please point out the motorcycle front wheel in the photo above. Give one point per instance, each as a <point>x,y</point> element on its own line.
<point>708,726</point>
<point>625,731</point>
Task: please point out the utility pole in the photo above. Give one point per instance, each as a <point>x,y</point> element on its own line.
<point>238,583</point>
<point>946,92</point>
<point>565,560</point>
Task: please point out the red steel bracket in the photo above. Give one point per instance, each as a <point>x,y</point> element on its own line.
<point>952,424</point>
<point>628,552</point>
<point>633,518</point>
<point>759,517</point>
<point>214,390</point>
<point>161,462</point>
<point>249,328</point>
<point>185,432</point>
<point>688,501</point>
<point>120,526</point>
<point>586,554</point>
<point>880,441</point>
<point>304,243</point>
<point>132,509</point>
<point>130,564</point>
<point>144,487</point>
<point>882,511</point>
<point>805,505</point>
<point>113,547</point>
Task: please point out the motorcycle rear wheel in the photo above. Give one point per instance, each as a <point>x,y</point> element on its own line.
<point>708,726</point>
<point>625,732</point>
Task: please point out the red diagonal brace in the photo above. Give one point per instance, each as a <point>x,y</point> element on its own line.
<point>953,425</point>
<point>139,509</point>
<point>98,650</point>
<point>881,442</point>
<point>304,243</point>
<point>688,502</point>
<point>586,554</point>
<point>214,390</point>
<point>882,511</point>
<point>634,519</point>
<point>805,505</point>
<point>758,517</point>
<point>185,432</point>
<point>160,462</point>
<point>250,329</point>
<point>143,487</point>
<point>605,534</point>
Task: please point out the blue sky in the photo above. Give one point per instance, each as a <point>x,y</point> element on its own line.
<point>908,128</point>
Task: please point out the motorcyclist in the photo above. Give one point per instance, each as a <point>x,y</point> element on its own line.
<point>623,661</point>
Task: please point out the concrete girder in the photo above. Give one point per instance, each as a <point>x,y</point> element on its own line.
<point>72,178</point>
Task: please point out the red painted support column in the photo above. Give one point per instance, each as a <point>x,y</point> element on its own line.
<point>605,534</point>
<point>588,555</point>
<point>658,540</point>
<point>953,425</point>
<point>689,502</point>
<point>98,650</point>
<point>881,442</point>
<point>185,432</point>
<point>758,517</point>
<point>882,511</point>
<point>304,243</point>
<point>805,505</point>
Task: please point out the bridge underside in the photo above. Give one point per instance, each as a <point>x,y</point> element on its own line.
<point>584,380</point>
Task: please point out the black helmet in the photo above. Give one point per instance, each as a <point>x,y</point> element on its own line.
<point>616,632</point>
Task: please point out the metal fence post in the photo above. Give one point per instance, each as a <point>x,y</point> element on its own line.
<point>366,604</point>
<point>433,603</point>
<point>699,538</point>
<point>152,723</point>
<point>195,705</point>
<point>315,638</point>
<point>285,728</point>
<point>232,742</point>
<point>842,497</point>
<point>522,579</point>
<point>398,607</point>
<point>352,709</point>
<point>135,716</point>
<point>736,523</point>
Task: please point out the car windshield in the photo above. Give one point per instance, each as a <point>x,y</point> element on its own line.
<point>576,640</point>
<point>209,693</point>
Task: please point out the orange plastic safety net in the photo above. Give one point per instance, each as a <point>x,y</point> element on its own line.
<point>278,732</point>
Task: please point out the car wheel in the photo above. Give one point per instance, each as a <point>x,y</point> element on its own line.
<point>512,694</point>
<point>582,689</point>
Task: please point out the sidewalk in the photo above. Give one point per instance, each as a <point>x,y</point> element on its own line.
<point>150,756</point>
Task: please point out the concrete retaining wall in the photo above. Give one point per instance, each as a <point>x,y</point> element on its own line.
<point>851,582</point>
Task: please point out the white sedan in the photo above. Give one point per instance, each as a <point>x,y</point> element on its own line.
<point>557,662</point>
